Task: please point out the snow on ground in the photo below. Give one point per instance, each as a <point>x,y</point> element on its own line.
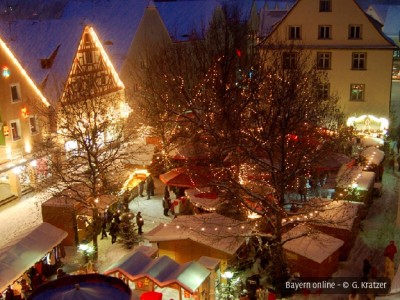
<point>378,228</point>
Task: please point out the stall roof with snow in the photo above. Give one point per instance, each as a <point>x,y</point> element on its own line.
<point>355,176</point>
<point>163,270</point>
<point>334,213</point>
<point>210,229</point>
<point>373,155</point>
<point>313,245</point>
<point>26,249</point>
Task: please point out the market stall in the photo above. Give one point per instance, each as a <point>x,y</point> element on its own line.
<point>355,184</point>
<point>372,160</point>
<point>311,253</point>
<point>186,177</point>
<point>24,250</point>
<point>337,218</point>
<point>203,199</point>
<point>146,274</point>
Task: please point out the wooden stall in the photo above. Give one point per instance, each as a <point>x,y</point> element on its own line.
<point>313,255</point>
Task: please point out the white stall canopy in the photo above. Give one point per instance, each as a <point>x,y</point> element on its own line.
<point>23,251</point>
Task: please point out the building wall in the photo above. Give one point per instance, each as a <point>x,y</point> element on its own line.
<point>379,52</point>
<point>183,251</point>
<point>12,111</point>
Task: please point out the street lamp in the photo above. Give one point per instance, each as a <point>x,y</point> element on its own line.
<point>86,249</point>
<point>228,275</point>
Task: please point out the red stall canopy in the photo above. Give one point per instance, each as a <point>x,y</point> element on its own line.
<point>151,296</point>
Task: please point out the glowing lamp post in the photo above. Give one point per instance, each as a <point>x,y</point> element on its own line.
<point>86,249</point>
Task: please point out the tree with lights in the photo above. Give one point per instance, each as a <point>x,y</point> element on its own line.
<point>127,233</point>
<point>263,117</point>
<point>87,141</point>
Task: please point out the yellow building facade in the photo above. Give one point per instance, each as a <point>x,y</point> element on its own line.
<point>350,47</point>
<point>20,126</point>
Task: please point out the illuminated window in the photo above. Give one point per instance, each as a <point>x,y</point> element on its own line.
<point>325,5</point>
<point>15,130</point>
<point>323,91</point>
<point>15,92</point>
<point>357,92</point>
<point>294,33</point>
<point>359,61</point>
<point>324,32</point>
<point>289,60</point>
<point>33,125</point>
<point>355,32</point>
<point>88,57</point>
<point>324,60</point>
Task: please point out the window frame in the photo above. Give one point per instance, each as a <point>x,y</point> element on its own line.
<point>324,57</point>
<point>289,60</point>
<point>294,32</point>
<point>324,91</point>
<point>18,90</point>
<point>18,130</point>
<point>359,61</point>
<point>325,5</point>
<point>324,32</point>
<point>355,36</point>
<point>353,88</point>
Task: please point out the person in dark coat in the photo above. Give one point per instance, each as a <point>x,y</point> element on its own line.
<point>103,229</point>
<point>113,231</point>
<point>141,188</point>
<point>9,294</point>
<point>366,269</point>
<point>139,222</point>
<point>148,187</point>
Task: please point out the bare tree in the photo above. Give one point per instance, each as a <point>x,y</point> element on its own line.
<point>86,146</point>
<point>261,114</point>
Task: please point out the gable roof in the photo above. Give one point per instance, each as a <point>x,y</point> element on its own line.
<point>115,23</point>
<point>163,270</point>
<point>210,229</point>
<point>390,44</point>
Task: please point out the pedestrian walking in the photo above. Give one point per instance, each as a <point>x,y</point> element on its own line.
<point>139,222</point>
<point>114,231</point>
<point>141,188</point>
<point>152,187</point>
<point>366,269</point>
<point>389,253</point>
<point>148,188</point>
<point>103,229</point>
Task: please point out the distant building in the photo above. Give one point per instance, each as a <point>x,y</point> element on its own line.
<point>349,45</point>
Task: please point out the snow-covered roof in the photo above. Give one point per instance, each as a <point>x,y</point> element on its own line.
<point>163,270</point>
<point>368,141</point>
<point>210,263</point>
<point>373,155</point>
<point>315,245</point>
<point>388,16</point>
<point>336,213</point>
<point>115,23</point>
<point>272,13</point>
<point>355,176</point>
<point>183,18</point>
<point>210,229</point>
<point>26,249</point>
